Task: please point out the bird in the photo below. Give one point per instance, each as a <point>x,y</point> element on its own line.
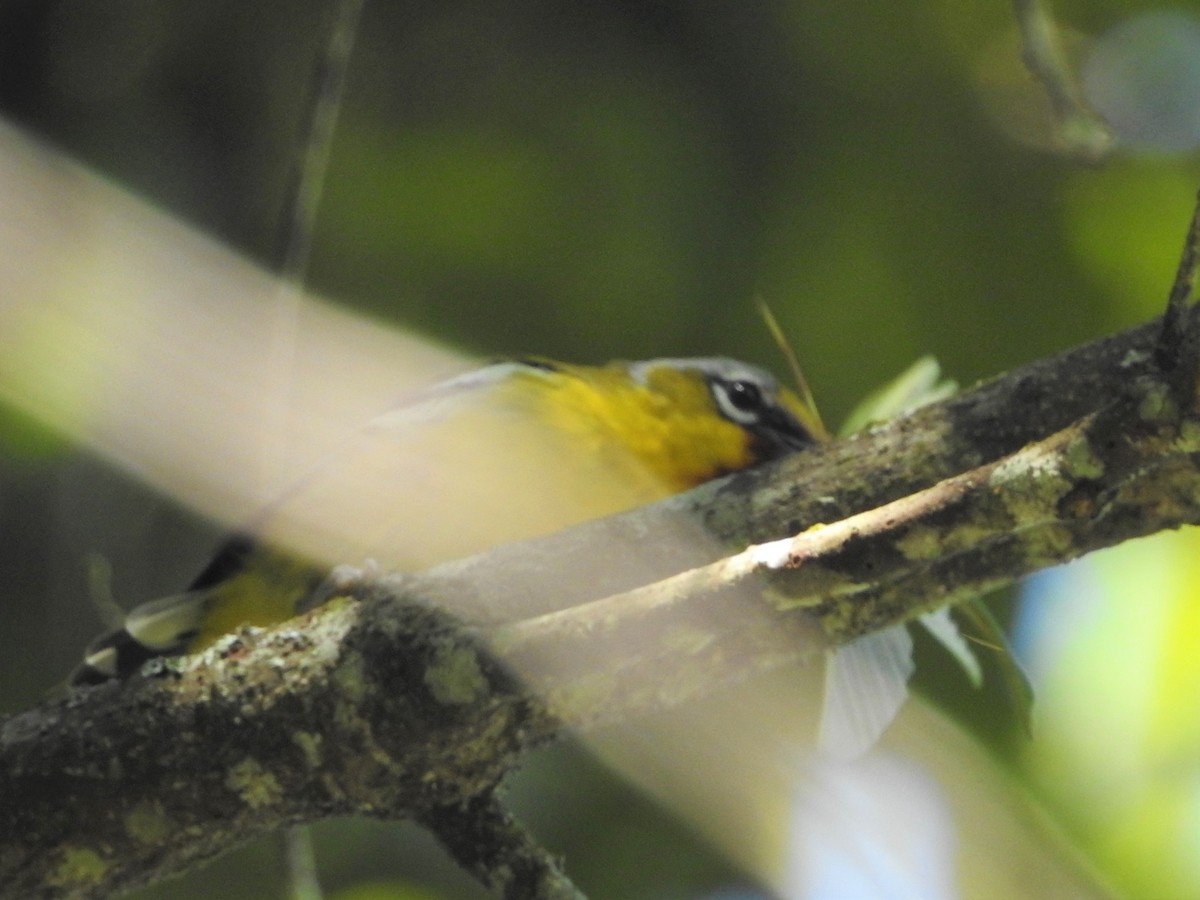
<point>510,451</point>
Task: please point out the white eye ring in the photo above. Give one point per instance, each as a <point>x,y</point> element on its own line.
<point>741,402</point>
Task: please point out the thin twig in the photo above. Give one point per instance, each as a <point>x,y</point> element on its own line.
<point>1081,133</point>
<point>300,863</point>
<point>303,197</point>
<point>298,224</point>
<point>297,227</point>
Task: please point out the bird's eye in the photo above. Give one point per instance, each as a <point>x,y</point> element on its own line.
<point>745,395</point>
<point>739,401</point>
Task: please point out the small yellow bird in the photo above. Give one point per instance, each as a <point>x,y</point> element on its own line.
<point>509,452</point>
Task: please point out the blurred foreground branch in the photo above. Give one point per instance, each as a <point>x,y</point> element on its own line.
<point>389,708</point>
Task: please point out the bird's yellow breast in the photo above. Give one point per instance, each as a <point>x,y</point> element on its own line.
<point>667,428</point>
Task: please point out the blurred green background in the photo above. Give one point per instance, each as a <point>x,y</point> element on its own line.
<point>584,181</point>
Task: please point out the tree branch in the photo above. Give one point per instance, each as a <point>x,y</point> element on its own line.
<point>390,707</point>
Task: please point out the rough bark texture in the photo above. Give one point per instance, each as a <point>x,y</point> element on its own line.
<point>387,707</point>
